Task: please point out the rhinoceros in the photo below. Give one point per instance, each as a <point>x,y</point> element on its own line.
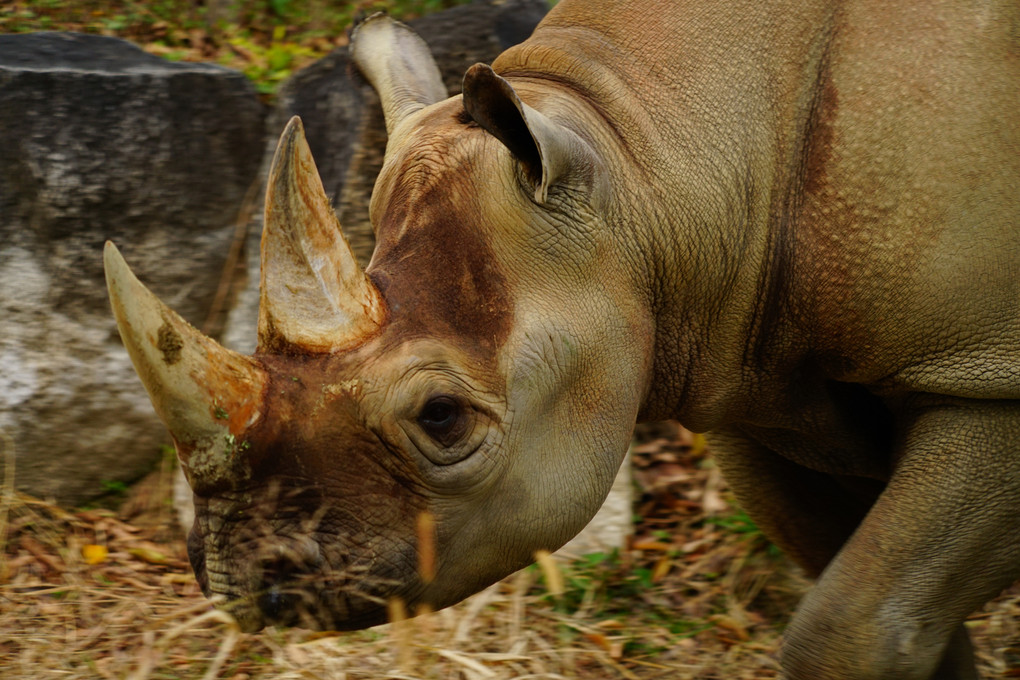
<point>793,225</point>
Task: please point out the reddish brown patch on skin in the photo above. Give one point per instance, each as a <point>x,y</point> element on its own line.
<point>820,143</point>
<point>434,266</point>
<point>316,469</point>
<point>821,216</point>
<point>319,473</point>
<point>233,397</point>
<point>337,480</point>
<point>794,215</point>
<point>313,429</point>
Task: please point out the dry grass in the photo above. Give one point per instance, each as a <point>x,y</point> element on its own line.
<point>98,594</point>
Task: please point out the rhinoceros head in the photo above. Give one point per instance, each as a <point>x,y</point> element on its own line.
<point>417,430</point>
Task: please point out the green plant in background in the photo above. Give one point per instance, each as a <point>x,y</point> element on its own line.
<point>269,65</point>
<point>739,523</point>
<point>607,598</point>
<point>602,584</point>
<point>114,487</point>
<point>265,39</point>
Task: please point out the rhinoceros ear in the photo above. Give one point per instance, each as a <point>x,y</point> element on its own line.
<point>546,150</point>
<point>399,65</point>
<point>314,297</point>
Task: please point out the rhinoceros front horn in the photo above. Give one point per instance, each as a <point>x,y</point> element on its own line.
<point>206,395</point>
<point>314,295</point>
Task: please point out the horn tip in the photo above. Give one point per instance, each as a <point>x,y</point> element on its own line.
<point>110,252</point>
<point>292,140</point>
<point>294,125</point>
<point>113,262</point>
<point>293,134</point>
<point>370,19</point>
<point>373,25</point>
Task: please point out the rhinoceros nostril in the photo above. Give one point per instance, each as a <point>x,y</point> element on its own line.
<point>277,605</point>
<point>279,598</point>
<point>285,572</point>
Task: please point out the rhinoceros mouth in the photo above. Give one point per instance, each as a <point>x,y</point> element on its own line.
<point>322,607</point>
<point>286,557</point>
<point>334,596</point>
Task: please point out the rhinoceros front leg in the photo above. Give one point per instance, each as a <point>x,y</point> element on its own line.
<point>958,659</point>
<point>940,541</point>
<point>808,514</point>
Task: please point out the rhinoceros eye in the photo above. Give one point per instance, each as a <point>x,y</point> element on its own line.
<point>443,419</point>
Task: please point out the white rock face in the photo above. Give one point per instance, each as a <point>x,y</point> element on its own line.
<point>99,140</point>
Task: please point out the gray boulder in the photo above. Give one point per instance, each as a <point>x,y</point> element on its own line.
<point>99,140</point>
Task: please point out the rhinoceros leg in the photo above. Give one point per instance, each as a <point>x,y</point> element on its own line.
<point>938,543</point>
<point>958,661</point>
<point>808,514</point>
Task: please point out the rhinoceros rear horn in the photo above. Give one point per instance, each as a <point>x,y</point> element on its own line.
<point>206,395</point>
<point>399,65</point>
<point>547,151</point>
<point>314,296</point>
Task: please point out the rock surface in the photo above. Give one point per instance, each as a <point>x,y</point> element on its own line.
<point>99,140</point>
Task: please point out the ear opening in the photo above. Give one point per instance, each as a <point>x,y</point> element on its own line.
<point>545,149</point>
<point>492,103</point>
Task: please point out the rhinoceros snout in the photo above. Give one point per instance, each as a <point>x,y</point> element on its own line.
<point>279,606</point>
<point>288,571</point>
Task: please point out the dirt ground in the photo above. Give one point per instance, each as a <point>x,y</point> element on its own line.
<point>700,593</point>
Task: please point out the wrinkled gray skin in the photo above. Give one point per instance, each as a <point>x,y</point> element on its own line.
<point>791,224</point>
